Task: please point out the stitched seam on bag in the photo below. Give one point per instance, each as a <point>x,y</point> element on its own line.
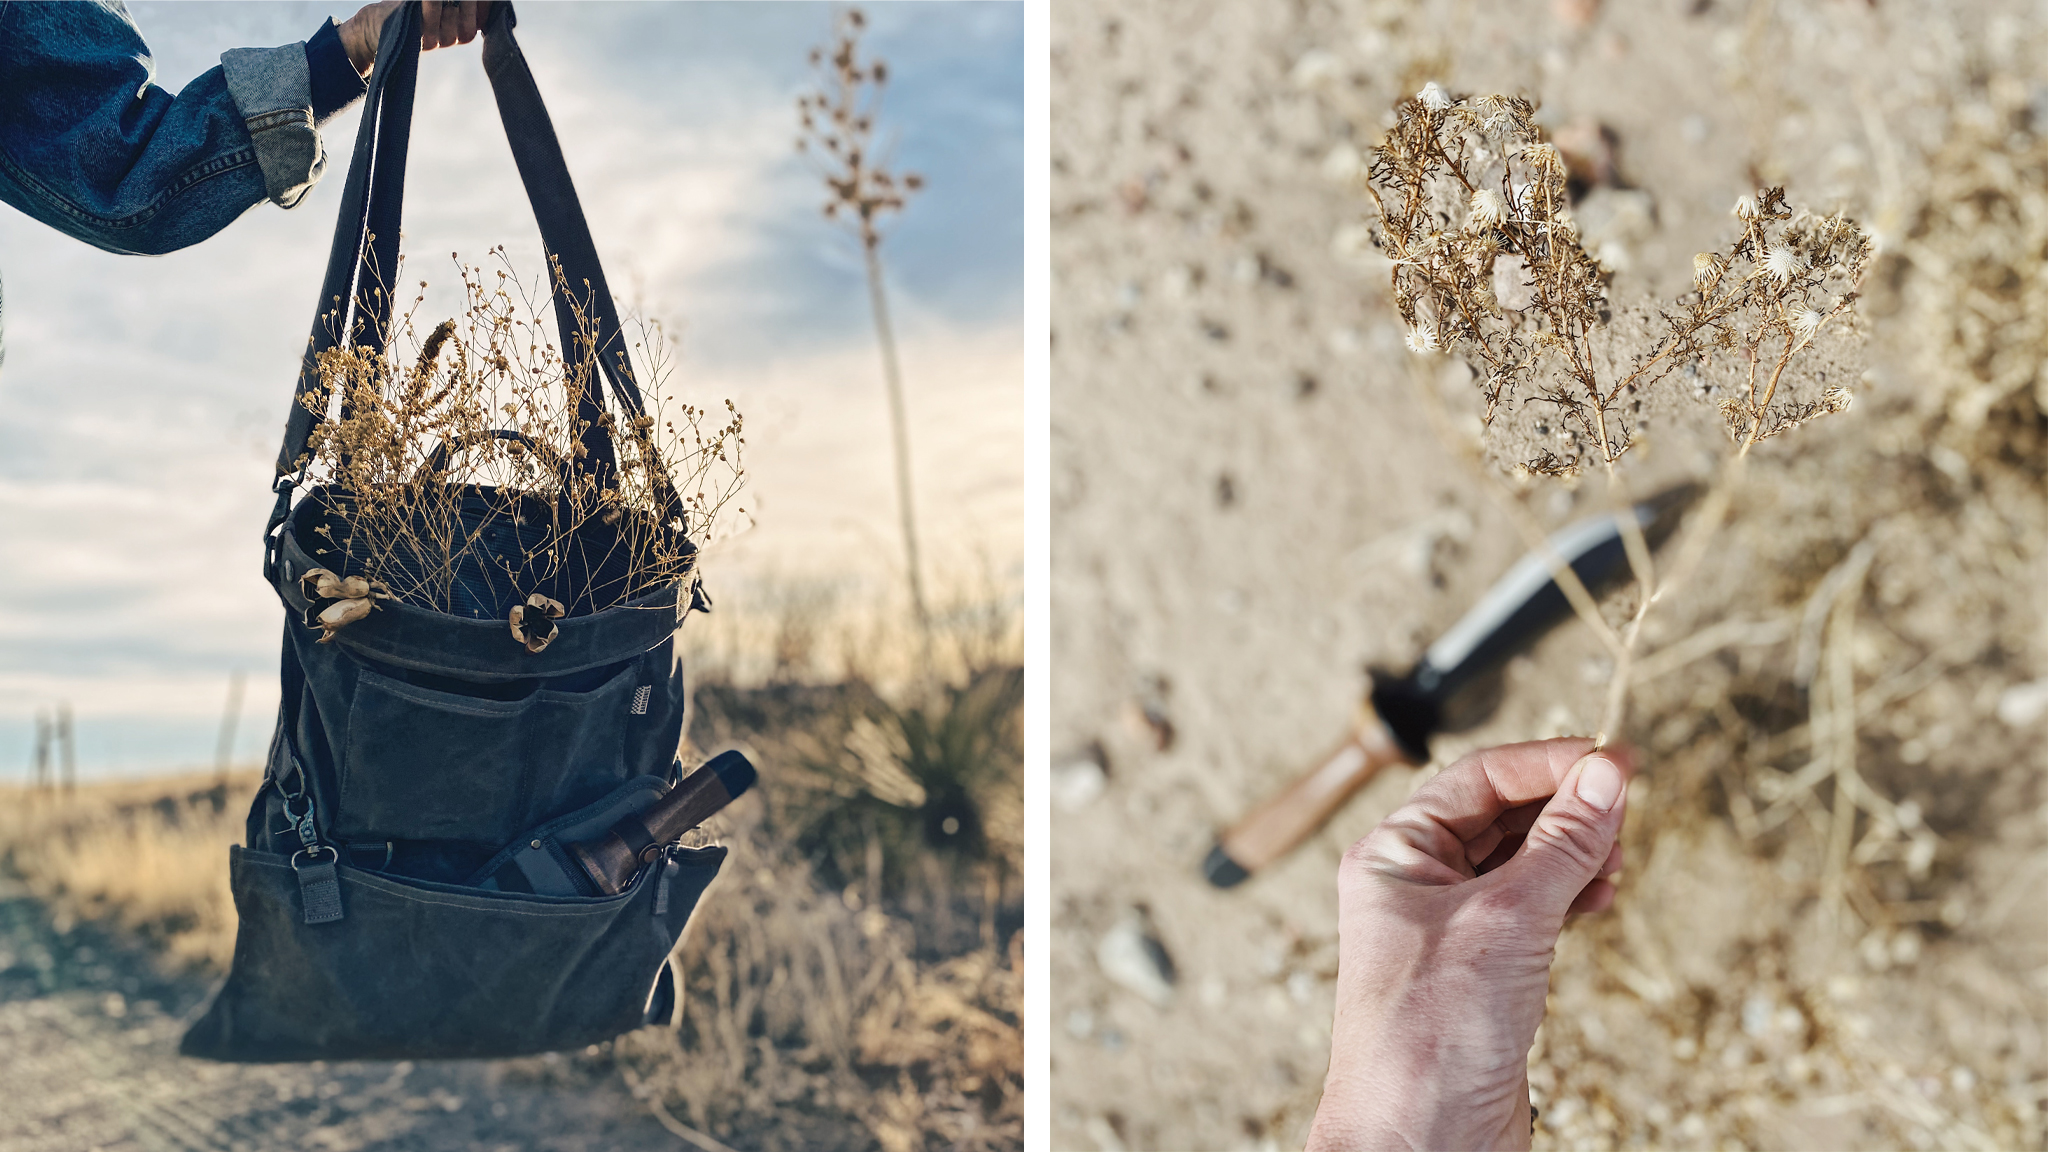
<point>447,701</point>
<point>477,904</point>
<point>629,672</point>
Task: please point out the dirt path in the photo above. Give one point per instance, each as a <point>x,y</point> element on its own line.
<point>88,1060</point>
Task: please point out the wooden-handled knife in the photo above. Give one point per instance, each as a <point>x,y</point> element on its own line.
<point>1395,722</point>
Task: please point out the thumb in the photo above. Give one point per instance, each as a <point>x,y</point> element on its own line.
<point>1570,841</point>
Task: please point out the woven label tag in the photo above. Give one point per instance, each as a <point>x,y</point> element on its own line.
<point>320,892</point>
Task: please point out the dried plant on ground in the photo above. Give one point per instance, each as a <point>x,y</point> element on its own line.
<point>1473,212</point>
<point>837,131</point>
<point>467,477</point>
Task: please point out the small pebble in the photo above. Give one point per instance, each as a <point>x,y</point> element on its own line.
<point>1131,955</point>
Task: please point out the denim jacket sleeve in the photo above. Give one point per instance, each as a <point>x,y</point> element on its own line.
<point>89,144</point>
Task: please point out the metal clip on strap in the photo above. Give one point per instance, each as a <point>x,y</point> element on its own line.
<point>273,536</point>
<point>319,883</point>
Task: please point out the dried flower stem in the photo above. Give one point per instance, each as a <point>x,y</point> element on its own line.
<point>837,132</point>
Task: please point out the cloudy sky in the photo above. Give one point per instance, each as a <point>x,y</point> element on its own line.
<point>141,399</point>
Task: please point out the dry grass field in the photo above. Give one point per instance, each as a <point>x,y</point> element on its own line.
<point>1831,932</point>
<point>840,992</point>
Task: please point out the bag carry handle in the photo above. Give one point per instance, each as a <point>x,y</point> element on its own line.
<point>355,302</point>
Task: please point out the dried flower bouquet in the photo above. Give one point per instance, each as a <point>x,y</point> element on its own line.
<point>463,478</point>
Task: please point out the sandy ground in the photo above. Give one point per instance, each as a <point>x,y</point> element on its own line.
<point>1251,503</point>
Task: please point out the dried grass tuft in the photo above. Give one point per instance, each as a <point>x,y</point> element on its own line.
<point>149,856</point>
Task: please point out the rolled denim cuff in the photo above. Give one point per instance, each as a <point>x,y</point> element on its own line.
<point>273,90</point>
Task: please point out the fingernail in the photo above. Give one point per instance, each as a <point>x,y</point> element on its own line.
<point>1599,782</point>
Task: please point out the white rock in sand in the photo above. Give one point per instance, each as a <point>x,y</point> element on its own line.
<point>1077,782</point>
<point>2022,704</point>
<point>1132,957</point>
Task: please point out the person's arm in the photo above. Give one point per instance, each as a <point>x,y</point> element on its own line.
<point>1448,914</point>
<point>90,145</point>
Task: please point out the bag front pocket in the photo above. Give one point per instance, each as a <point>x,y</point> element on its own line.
<point>424,764</point>
<point>428,971</point>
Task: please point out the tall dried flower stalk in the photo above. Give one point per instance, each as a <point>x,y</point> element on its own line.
<point>458,477</point>
<point>1487,264</point>
<point>838,133</point>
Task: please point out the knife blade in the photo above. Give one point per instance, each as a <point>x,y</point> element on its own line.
<point>1395,722</point>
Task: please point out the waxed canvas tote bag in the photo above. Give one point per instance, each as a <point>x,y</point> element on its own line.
<point>422,749</point>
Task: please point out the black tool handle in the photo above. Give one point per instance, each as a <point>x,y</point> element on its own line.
<point>612,860</point>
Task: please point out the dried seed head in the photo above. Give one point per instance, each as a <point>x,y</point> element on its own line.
<point>1489,208</point>
<point>1433,97</point>
<point>1805,321</point>
<point>1779,263</point>
<point>1706,268</point>
<point>1746,207</point>
<point>1422,338</point>
<point>533,623</point>
<point>319,583</point>
<point>1836,399</point>
<point>341,614</point>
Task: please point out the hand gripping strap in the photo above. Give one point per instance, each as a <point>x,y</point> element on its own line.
<point>354,299</point>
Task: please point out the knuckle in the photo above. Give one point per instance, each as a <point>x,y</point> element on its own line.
<point>1574,837</point>
<point>1371,855</point>
<point>1361,856</point>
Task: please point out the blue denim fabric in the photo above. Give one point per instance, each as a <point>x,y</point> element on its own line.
<point>90,145</point>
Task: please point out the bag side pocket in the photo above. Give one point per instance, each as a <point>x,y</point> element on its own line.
<point>424,764</point>
<point>431,971</point>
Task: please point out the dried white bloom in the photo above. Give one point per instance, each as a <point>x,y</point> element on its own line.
<point>1746,207</point>
<point>1706,268</point>
<point>1836,399</point>
<point>1433,97</point>
<point>1779,263</point>
<point>1488,208</point>
<point>1422,339</point>
<point>1805,321</point>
